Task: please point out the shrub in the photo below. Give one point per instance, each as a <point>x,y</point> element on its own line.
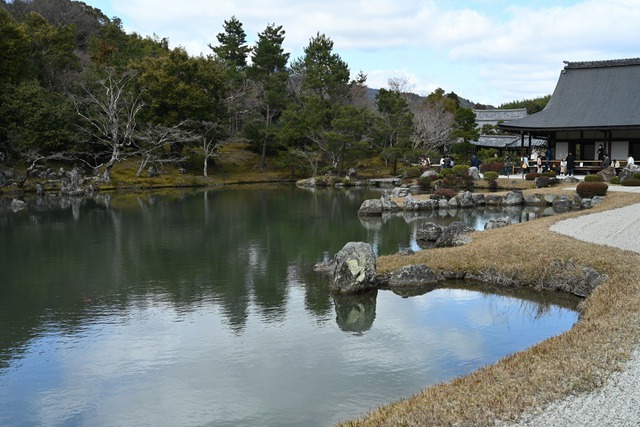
<point>615,180</point>
<point>493,167</point>
<point>446,172</point>
<point>531,176</point>
<point>424,182</point>
<point>412,172</point>
<point>446,193</point>
<point>491,175</point>
<point>550,174</point>
<point>636,176</point>
<point>461,170</point>
<point>631,182</point>
<point>590,189</point>
<point>592,178</point>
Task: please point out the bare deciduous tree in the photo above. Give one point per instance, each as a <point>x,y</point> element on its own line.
<point>432,127</point>
<point>109,110</point>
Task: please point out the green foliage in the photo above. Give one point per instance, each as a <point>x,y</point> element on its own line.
<point>465,126</point>
<point>446,172</point>
<point>491,175</point>
<point>550,174</point>
<point>232,48</point>
<point>631,182</point>
<point>424,182</point>
<point>488,155</point>
<point>36,119</point>
<point>14,49</point>
<point>590,189</point>
<point>461,170</point>
<point>592,178</point>
<point>412,172</point>
<point>615,180</point>
<point>636,176</point>
<point>532,105</point>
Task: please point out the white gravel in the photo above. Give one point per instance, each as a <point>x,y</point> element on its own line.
<point>617,403</point>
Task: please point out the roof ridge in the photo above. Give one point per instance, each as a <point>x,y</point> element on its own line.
<point>602,64</point>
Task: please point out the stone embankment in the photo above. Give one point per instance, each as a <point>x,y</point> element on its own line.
<point>467,199</point>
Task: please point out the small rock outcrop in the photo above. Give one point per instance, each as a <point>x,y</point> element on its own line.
<point>413,276</point>
<point>454,235</point>
<point>429,231</point>
<point>497,223</point>
<point>353,269</point>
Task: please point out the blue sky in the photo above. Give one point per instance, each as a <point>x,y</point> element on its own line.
<point>488,51</point>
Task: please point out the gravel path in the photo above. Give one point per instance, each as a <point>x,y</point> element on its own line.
<point>617,403</point>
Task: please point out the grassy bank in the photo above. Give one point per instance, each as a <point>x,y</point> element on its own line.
<point>576,361</point>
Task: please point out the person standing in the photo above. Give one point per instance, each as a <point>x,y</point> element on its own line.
<point>475,161</point>
<point>525,165</point>
<point>563,167</point>
<point>600,153</point>
<point>539,165</point>
<point>548,155</point>
<point>571,164</point>
<point>606,162</point>
<point>507,165</point>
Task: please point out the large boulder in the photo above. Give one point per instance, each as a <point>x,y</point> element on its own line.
<point>607,173</point>
<point>454,235</point>
<point>353,269</point>
<point>465,199</point>
<point>474,173</point>
<point>429,174</point>
<point>371,207</point>
<point>513,198</point>
<point>629,171</point>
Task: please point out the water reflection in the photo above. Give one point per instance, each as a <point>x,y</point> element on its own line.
<point>195,308</point>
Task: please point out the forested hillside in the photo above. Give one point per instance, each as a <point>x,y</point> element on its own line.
<point>75,88</point>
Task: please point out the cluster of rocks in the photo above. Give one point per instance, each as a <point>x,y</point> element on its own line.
<point>467,199</point>
<point>353,271</point>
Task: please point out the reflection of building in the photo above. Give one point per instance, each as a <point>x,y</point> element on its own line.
<point>593,103</point>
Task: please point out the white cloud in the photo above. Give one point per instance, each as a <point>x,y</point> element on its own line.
<point>484,50</point>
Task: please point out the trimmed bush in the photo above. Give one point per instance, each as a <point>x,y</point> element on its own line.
<point>491,175</point>
<point>424,182</point>
<point>631,182</point>
<point>461,170</point>
<point>550,174</point>
<point>446,172</point>
<point>592,178</point>
<point>493,167</point>
<point>636,176</point>
<point>531,176</point>
<point>412,172</point>
<point>446,193</point>
<point>587,190</point>
<point>615,180</point>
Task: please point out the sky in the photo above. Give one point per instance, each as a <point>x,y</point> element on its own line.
<point>488,51</point>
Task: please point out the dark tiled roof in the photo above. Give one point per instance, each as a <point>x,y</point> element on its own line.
<point>507,141</point>
<point>590,95</point>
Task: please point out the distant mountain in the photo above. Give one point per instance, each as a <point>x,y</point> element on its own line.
<point>415,99</point>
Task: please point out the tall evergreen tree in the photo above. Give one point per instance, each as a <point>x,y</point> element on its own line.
<point>269,73</point>
<point>232,48</point>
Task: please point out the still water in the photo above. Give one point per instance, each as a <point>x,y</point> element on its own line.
<point>201,308</point>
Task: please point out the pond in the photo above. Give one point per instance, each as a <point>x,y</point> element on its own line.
<point>201,308</point>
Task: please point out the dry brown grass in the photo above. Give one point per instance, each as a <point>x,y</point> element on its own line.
<point>575,361</point>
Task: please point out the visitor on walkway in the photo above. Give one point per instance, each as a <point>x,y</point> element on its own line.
<point>571,164</point>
